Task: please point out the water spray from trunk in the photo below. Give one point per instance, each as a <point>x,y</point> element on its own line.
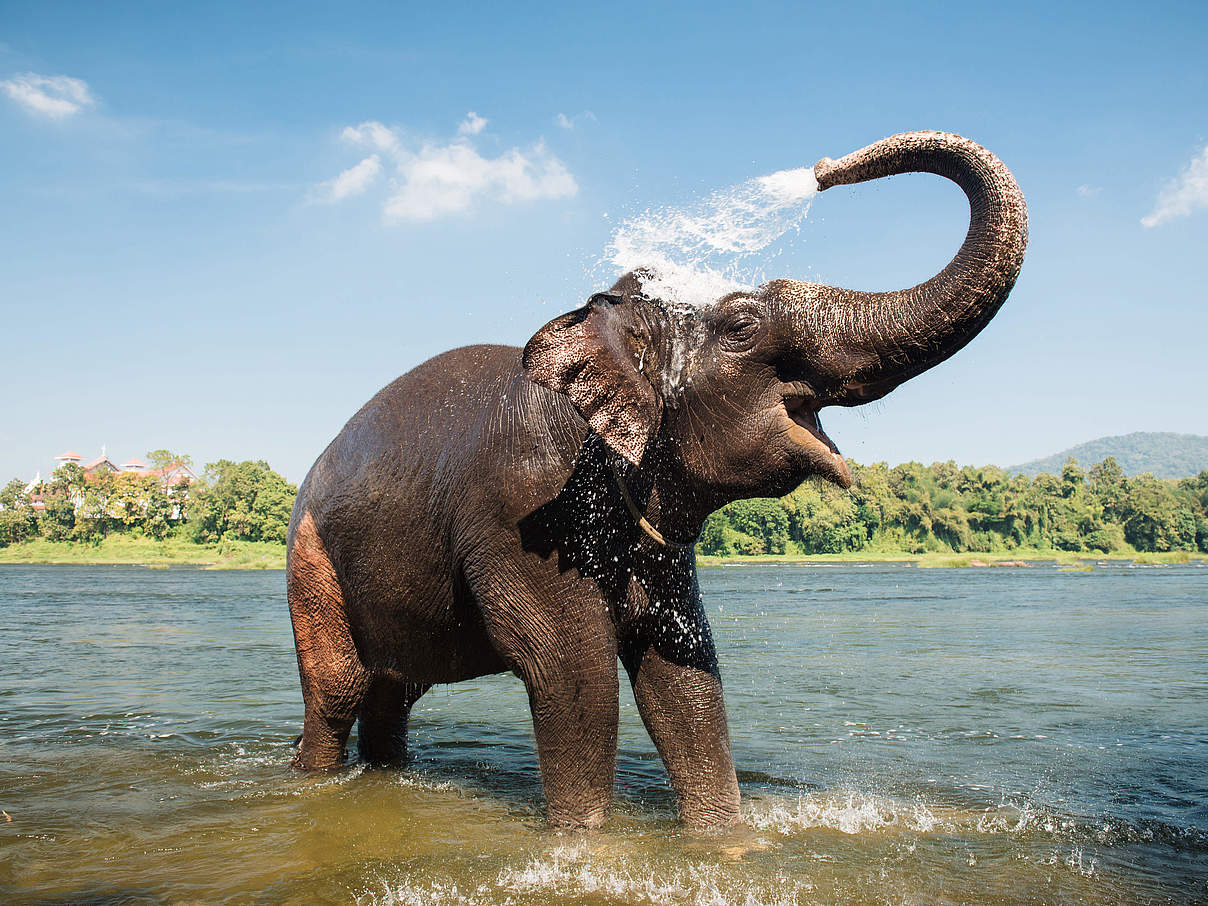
<point>696,253</point>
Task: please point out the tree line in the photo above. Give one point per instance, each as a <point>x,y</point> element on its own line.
<point>231,501</point>
<point>909,508</point>
<point>916,509</point>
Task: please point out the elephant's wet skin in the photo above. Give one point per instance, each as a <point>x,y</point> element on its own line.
<point>648,585</point>
<point>497,509</point>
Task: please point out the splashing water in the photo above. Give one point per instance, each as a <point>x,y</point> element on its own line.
<point>695,254</point>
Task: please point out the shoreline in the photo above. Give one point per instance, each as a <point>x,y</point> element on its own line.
<point>967,560</point>
<point>120,550</point>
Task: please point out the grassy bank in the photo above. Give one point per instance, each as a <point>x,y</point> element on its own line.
<point>124,549</point>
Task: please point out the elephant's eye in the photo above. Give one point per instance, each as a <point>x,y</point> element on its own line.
<point>741,329</point>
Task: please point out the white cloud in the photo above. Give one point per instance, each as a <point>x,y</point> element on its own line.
<point>446,179</point>
<point>1183,195</point>
<point>472,125</point>
<point>570,122</point>
<point>373,134</point>
<point>352,181</point>
<point>440,178</point>
<point>53,96</point>
<point>1085,191</point>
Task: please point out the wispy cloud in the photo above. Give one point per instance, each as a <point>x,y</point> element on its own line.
<point>1183,195</point>
<point>353,181</point>
<point>472,125</point>
<point>373,134</point>
<point>57,97</point>
<point>570,123</point>
<point>432,179</point>
<point>1085,191</point>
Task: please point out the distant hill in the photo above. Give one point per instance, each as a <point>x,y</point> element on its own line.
<point>1165,454</point>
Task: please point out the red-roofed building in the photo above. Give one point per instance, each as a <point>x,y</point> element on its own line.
<point>173,475</point>
<point>101,464</point>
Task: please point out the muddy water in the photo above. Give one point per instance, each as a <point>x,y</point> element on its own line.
<point>902,736</point>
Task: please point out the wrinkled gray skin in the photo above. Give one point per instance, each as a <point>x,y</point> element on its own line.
<point>470,519</point>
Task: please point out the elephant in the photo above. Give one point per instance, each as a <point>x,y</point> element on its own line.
<point>534,510</point>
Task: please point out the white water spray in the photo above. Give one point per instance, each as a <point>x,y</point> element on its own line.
<point>702,251</point>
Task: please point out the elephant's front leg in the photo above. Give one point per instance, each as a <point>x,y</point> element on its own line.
<point>558,637</point>
<point>573,696</point>
<point>680,700</point>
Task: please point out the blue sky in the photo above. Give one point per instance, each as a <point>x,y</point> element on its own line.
<point>183,265</point>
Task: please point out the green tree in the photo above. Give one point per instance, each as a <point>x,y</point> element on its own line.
<point>159,511</point>
<point>876,506</point>
<point>714,536</point>
<point>1072,478</point>
<point>60,496</point>
<point>944,474</point>
<point>128,503</point>
<point>94,516</point>
<point>1195,491</point>
<point>763,519</point>
<point>245,501</point>
<point>1109,485</point>
<point>17,521</point>
<point>1156,519</point>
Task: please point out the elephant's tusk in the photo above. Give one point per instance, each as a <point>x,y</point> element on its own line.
<point>654,534</point>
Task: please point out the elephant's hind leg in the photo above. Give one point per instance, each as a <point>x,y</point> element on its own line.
<point>334,681</point>
<point>382,731</point>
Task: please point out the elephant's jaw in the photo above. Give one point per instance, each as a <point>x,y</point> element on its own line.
<point>805,430</point>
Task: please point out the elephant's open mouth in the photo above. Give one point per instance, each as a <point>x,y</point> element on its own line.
<point>806,431</point>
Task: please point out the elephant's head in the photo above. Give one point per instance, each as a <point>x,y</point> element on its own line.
<point>730,393</point>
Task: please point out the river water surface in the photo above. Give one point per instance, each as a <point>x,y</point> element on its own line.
<point>902,736</point>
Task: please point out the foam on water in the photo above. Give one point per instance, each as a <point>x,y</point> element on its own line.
<point>851,813</point>
<point>574,872</point>
<point>701,251</point>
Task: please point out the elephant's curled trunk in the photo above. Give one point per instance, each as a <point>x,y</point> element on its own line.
<point>874,341</point>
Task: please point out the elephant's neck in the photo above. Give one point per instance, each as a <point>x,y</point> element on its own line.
<point>669,506</point>
<point>641,518</point>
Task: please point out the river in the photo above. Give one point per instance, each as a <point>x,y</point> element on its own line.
<point>902,736</point>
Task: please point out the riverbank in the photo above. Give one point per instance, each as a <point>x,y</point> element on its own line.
<point>949,560</point>
<point>130,551</point>
<point>126,550</point>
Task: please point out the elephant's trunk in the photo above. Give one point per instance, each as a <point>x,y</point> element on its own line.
<point>871,342</point>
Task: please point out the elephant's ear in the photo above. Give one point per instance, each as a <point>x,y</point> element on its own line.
<point>599,357</point>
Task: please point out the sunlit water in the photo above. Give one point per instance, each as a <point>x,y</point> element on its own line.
<point>902,736</point>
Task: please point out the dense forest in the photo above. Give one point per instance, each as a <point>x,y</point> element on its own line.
<point>909,508</point>
<point>914,508</point>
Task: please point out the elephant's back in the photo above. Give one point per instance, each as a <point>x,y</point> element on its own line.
<point>391,462</point>
<point>438,401</point>
<point>413,423</point>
